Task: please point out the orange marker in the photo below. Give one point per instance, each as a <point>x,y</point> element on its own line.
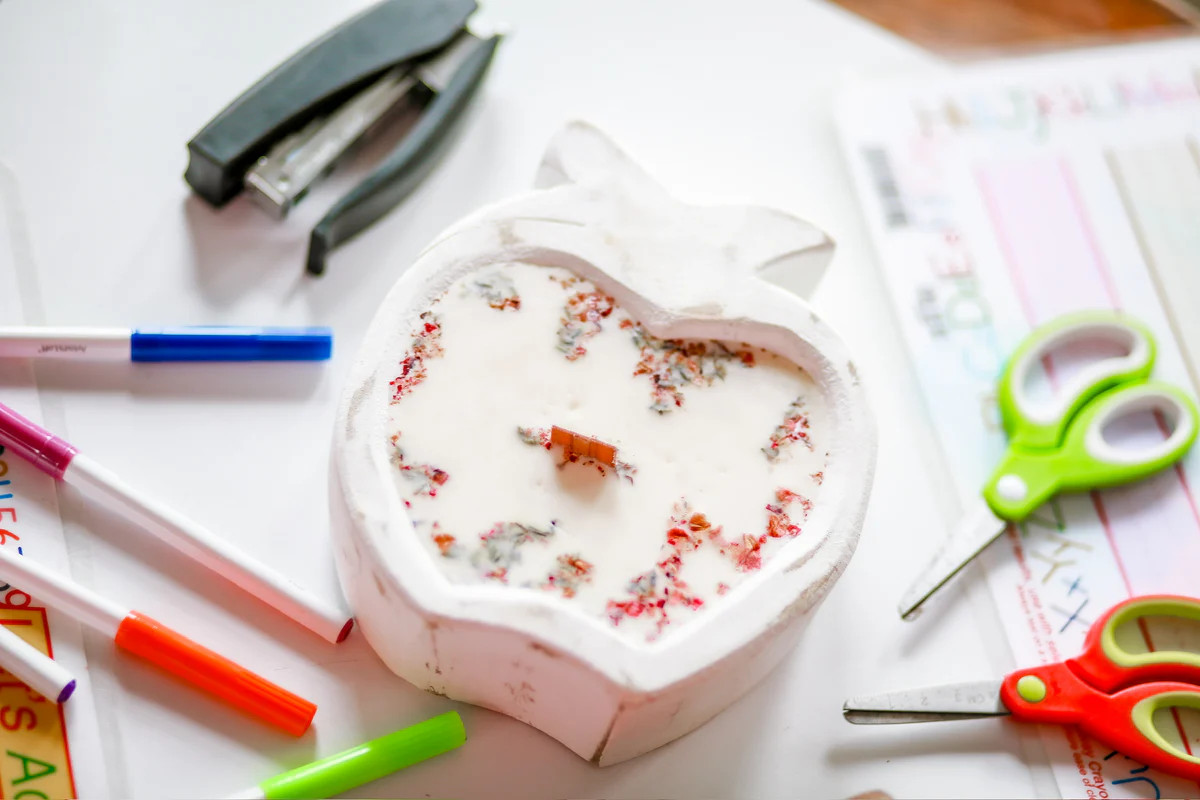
<point>574,444</point>
<point>136,633</point>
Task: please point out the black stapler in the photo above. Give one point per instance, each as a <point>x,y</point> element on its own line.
<point>290,128</point>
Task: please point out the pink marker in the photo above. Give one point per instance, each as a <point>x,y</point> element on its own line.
<point>61,460</point>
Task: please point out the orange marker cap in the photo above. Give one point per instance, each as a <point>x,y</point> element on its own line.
<point>214,673</point>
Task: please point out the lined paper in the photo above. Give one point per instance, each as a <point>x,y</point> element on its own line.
<point>1160,190</point>
<point>999,197</point>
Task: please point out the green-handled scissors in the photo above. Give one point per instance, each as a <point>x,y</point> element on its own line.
<point>1057,444</point>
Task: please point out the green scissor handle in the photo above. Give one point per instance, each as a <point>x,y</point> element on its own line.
<point>1109,666</point>
<point>1041,424</point>
<point>1026,477</point>
<point>1114,694</point>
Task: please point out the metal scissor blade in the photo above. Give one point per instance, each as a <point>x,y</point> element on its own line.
<point>977,530</point>
<point>953,701</point>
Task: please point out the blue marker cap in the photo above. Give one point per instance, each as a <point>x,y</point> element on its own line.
<point>231,344</point>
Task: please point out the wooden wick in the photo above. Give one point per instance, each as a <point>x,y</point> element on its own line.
<point>574,444</point>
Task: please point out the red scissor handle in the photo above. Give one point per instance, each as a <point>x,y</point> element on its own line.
<point>1123,721</point>
<point>1108,667</point>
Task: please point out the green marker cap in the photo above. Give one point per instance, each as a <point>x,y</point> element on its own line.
<point>368,761</point>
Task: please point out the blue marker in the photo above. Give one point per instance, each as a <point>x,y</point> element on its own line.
<point>199,343</point>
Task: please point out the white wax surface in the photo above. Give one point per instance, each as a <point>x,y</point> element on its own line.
<point>490,368</point>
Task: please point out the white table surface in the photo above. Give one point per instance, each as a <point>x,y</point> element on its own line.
<point>721,101</point>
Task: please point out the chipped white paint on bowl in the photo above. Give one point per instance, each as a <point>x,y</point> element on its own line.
<point>685,272</point>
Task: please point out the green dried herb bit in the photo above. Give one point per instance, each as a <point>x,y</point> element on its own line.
<point>563,278</point>
<point>570,572</point>
<point>426,345</point>
<point>625,470</point>
<point>581,320</point>
<point>426,477</point>
<point>745,551</point>
<point>660,592</point>
<point>794,428</point>
<point>500,547</point>
<point>499,291</point>
<point>535,436</point>
<point>675,363</point>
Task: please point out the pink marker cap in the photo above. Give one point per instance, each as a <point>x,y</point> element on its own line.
<point>34,443</point>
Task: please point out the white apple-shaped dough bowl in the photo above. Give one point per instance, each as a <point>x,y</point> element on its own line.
<point>735,274</point>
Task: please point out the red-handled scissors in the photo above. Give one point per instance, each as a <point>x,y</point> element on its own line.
<point>1110,693</point>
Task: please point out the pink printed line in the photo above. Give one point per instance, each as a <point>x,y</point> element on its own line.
<point>1009,253</point>
<point>1002,239</point>
<point>1191,501</point>
<point>1175,713</point>
<point>1181,474</point>
<point>1187,492</point>
<point>1089,234</point>
<point>1102,513</point>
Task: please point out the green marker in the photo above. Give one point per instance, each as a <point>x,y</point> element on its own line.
<point>365,762</point>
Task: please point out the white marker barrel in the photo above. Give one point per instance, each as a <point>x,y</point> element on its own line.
<point>36,669</point>
<point>60,592</point>
<point>321,617</point>
<point>97,344</point>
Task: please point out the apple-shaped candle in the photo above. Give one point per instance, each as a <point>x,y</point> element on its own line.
<point>595,467</point>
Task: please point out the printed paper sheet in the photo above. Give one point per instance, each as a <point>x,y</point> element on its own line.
<point>999,197</point>
<point>46,750</point>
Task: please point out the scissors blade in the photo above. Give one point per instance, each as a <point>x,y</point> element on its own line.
<point>952,701</point>
<point>978,529</point>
